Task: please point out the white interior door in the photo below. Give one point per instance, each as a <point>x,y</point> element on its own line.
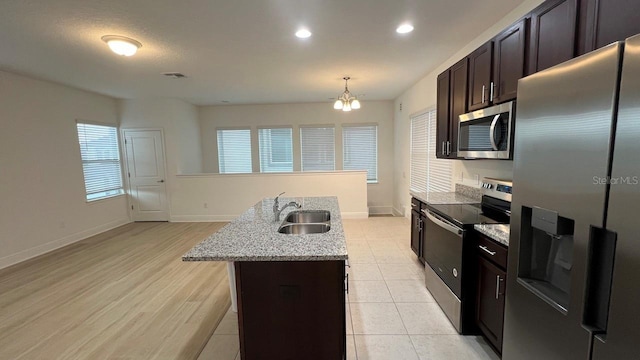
<point>145,170</point>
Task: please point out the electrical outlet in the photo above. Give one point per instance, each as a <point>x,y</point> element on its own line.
<point>206,206</point>
<point>461,178</point>
<point>476,177</point>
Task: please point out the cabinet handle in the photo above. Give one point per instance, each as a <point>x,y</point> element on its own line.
<point>497,286</point>
<point>448,148</point>
<point>485,249</point>
<point>347,282</point>
<point>483,89</point>
<point>491,92</point>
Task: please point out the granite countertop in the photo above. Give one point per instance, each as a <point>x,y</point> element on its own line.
<point>497,232</point>
<point>438,198</point>
<point>253,236</point>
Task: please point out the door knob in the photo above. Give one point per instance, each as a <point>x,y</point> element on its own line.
<point>161,181</point>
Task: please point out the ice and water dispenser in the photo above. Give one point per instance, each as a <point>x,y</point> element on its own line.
<point>546,255</point>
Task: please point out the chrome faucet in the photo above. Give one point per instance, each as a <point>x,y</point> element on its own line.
<point>277,212</point>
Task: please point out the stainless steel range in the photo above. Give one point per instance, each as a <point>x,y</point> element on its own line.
<point>448,248</point>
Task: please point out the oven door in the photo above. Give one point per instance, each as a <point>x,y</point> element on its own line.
<point>487,133</point>
<point>443,250</point>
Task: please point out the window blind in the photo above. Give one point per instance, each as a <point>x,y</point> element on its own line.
<point>100,160</point>
<point>234,151</point>
<point>419,144</point>
<point>276,149</point>
<point>360,150</point>
<point>317,148</point>
<point>439,170</point>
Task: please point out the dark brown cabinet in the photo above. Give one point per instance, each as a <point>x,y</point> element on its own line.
<point>458,98</point>
<point>443,112</point>
<point>492,262</point>
<point>281,303</point>
<point>417,228</point>
<point>553,34</point>
<point>508,63</point>
<point>605,21</point>
<point>480,66</point>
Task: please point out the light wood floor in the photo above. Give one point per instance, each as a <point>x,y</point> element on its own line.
<point>123,294</point>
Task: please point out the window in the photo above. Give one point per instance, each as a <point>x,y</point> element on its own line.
<point>100,160</point>
<point>428,173</point>
<point>317,148</point>
<point>276,150</point>
<point>360,150</point>
<point>234,151</point>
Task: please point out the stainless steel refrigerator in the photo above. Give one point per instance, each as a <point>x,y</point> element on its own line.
<point>573,287</point>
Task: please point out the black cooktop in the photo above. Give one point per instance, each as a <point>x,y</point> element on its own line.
<point>464,215</point>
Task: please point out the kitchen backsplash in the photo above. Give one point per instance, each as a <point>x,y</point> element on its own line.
<point>469,191</point>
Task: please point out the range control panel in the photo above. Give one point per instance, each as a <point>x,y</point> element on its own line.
<point>497,188</point>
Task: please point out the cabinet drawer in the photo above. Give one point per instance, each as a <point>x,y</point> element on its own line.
<point>417,205</point>
<point>492,251</point>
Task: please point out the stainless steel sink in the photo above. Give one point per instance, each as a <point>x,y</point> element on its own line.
<point>308,216</point>
<point>301,229</point>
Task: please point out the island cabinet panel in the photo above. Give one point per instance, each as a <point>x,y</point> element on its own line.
<point>508,63</point>
<point>553,34</point>
<point>605,21</point>
<point>291,309</point>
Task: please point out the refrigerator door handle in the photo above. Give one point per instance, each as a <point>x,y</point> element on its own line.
<point>602,252</point>
<point>492,132</point>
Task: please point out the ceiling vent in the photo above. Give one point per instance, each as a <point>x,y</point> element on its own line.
<point>175,75</point>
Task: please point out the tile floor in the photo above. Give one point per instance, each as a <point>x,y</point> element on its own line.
<point>390,313</point>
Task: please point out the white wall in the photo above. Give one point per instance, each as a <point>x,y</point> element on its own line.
<point>181,128</point>
<point>421,96</point>
<point>380,195</point>
<point>42,195</point>
<point>215,197</point>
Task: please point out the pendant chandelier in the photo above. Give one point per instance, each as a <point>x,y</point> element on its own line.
<point>346,101</point>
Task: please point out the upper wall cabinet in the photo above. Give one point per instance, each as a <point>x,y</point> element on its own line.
<point>553,34</point>
<point>480,66</point>
<point>443,111</point>
<point>605,21</point>
<point>496,67</point>
<point>508,60</point>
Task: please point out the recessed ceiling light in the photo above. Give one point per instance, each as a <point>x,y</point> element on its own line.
<point>303,33</point>
<point>122,45</point>
<point>404,29</point>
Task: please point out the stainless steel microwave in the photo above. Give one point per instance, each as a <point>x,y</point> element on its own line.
<point>487,133</point>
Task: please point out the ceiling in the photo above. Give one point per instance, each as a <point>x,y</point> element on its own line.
<point>240,51</point>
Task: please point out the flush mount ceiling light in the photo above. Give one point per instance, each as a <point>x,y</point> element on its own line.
<point>346,101</point>
<point>303,33</point>
<point>404,29</point>
<point>122,45</point>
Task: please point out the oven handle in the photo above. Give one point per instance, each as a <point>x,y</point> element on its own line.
<point>443,223</point>
<point>492,134</point>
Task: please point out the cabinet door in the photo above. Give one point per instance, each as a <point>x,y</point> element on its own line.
<point>553,33</point>
<point>442,114</point>
<point>607,21</point>
<point>490,310</point>
<point>480,63</point>
<point>458,98</point>
<point>508,63</point>
<point>416,227</point>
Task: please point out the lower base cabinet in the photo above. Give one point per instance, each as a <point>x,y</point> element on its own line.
<point>490,296</point>
<point>291,309</point>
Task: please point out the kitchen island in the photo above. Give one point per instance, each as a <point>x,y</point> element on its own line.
<point>290,288</point>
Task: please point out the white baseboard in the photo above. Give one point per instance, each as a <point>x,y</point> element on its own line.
<point>397,212</point>
<point>355,215</point>
<point>383,210</point>
<point>58,243</point>
<point>202,218</point>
